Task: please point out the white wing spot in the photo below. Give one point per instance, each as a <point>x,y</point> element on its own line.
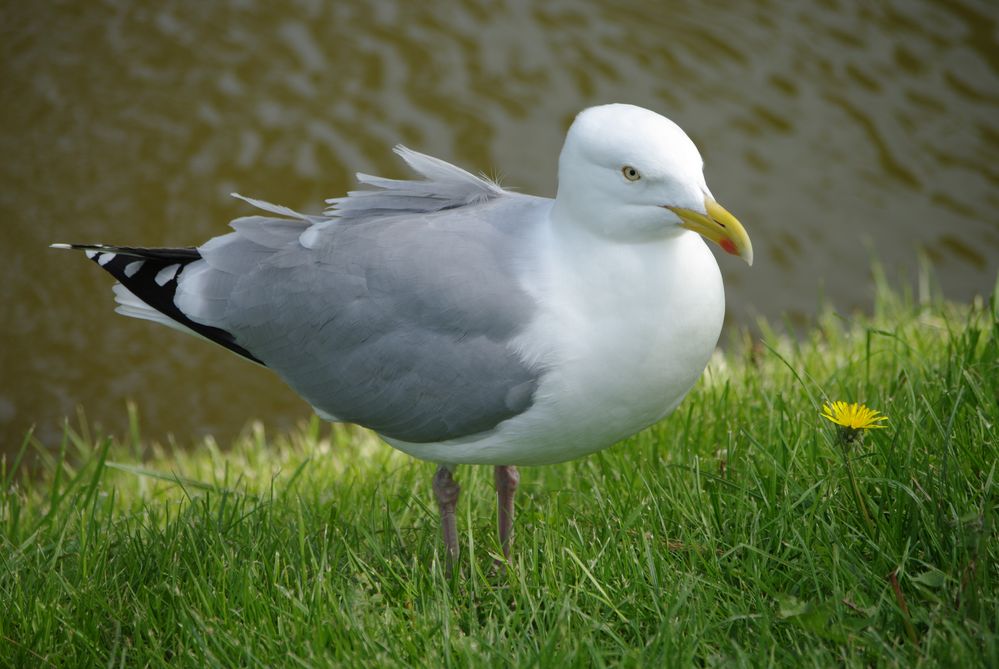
<point>133,267</point>
<point>166,274</point>
<point>309,238</point>
<point>90,253</point>
<point>105,258</point>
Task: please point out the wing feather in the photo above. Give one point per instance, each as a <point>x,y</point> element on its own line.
<point>369,313</point>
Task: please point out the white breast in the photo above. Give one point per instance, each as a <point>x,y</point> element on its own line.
<point>623,330</point>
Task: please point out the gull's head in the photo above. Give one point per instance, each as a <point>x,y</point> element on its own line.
<point>629,174</point>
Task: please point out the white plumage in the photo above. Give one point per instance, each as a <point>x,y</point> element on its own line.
<point>465,323</point>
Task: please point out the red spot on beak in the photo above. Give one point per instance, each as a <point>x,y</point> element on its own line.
<point>729,246</point>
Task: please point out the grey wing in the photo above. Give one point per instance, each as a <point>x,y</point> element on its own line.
<point>399,318</point>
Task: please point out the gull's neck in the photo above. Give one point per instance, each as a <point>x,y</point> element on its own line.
<point>607,273</point>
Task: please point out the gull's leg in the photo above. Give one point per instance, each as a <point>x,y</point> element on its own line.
<point>507,478</point>
<point>446,491</point>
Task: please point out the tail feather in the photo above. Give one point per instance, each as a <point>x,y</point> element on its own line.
<point>148,282</point>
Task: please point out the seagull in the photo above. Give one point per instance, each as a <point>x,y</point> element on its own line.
<point>465,323</point>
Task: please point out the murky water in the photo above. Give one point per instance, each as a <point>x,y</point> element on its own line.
<point>834,130</point>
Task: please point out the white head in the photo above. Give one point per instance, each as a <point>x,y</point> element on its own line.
<point>631,175</point>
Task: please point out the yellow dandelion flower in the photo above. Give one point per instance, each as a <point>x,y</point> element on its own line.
<point>853,419</point>
<point>853,416</point>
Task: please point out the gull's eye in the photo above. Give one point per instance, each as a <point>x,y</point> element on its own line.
<point>630,173</point>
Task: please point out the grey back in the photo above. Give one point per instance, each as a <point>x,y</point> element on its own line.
<point>397,315</point>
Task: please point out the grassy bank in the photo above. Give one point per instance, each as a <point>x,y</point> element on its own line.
<point>727,535</point>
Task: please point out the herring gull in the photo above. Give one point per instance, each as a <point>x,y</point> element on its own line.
<point>464,323</point>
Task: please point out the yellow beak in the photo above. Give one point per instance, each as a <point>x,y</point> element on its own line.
<point>719,226</point>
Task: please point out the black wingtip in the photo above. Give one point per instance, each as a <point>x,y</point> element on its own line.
<point>151,275</point>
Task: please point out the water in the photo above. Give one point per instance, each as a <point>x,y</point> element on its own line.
<point>835,131</point>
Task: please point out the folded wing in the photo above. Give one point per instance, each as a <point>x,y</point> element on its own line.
<point>368,311</point>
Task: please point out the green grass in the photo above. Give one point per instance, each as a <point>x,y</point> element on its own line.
<point>727,535</point>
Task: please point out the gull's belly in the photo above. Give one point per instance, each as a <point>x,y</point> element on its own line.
<point>631,371</point>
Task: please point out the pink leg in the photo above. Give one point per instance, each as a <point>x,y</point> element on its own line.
<point>446,491</point>
<point>507,478</point>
